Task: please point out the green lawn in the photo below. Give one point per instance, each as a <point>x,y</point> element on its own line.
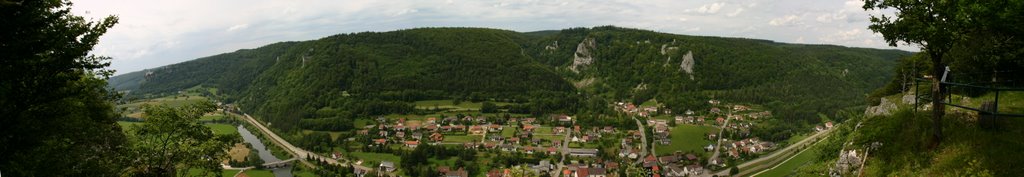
<point>259,173</point>
<point>377,157</point>
<point>786,169</point>
<point>543,130</point>
<point>686,138</point>
<point>222,129</point>
<point>508,131</point>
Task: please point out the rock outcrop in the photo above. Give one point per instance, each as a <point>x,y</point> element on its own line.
<point>884,108</point>
<point>687,64</point>
<point>584,54</point>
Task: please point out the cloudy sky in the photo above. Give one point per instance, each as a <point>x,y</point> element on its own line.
<point>154,33</point>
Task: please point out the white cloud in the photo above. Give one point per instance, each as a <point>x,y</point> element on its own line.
<point>734,13</point>
<point>787,20</point>
<point>710,8</point>
<point>238,27</point>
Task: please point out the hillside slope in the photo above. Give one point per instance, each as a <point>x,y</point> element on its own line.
<point>372,73</point>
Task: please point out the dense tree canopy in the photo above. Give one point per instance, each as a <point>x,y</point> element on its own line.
<point>57,113</point>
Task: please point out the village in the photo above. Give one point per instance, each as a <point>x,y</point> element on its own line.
<point>691,143</point>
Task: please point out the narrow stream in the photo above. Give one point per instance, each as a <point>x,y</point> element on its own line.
<point>264,152</point>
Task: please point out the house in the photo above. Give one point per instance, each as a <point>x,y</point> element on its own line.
<point>528,127</point>
<point>597,172</point>
<point>720,120</point>
<point>436,137</point>
<point>559,130</point>
<point>412,144</point>
<point>582,172</point>
<point>691,157</point>
<point>431,120</point>
<point>583,152</point>
<point>381,141</point>
<point>490,145</point>
<point>400,135</point>
<point>562,118</point>
<point>828,125</point>
<point>387,166</point>
<point>508,147</point>
<point>716,111</point>
<point>693,170</point>
<point>543,166</point>
<point>417,135</point>
<point>611,165</point>
<point>552,151</point>
<point>494,128</point>
<point>660,128</point>
<point>734,153</point>
<point>476,130</point>
<point>650,161</point>
<point>674,171</point>
<point>363,132</point>
<point>528,149</point>
<point>818,128</point>
<point>668,159</point>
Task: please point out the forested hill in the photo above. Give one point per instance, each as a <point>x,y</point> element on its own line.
<point>796,81</point>
<point>349,75</point>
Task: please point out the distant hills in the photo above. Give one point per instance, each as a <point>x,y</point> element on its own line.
<point>578,70</point>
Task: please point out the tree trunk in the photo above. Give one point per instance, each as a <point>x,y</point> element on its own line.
<point>938,90</point>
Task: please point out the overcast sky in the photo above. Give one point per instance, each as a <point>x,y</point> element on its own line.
<point>154,33</point>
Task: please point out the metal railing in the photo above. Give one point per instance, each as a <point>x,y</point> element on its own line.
<point>948,97</point>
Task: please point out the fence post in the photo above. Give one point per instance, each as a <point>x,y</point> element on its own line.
<point>995,110</point>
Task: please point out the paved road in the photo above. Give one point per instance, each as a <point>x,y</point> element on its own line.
<point>718,147</point>
<point>295,151</point>
<point>643,140</point>
<point>773,155</point>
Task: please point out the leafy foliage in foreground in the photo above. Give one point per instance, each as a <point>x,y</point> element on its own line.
<point>57,116</point>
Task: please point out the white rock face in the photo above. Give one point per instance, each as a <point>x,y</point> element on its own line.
<point>687,64</point>
<point>909,98</point>
<point>665,49</point>
<point>584,54</point>
<point>885,108</point>
<point>552,46</point>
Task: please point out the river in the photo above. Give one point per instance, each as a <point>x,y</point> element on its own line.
<point>264,152</point>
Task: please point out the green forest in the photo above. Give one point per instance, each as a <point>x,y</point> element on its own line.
<point>336,79</point>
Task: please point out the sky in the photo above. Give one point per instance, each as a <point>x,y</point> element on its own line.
<point>154,33</point>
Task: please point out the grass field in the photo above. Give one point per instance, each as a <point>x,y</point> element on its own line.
<point>377,157</point>
<point>788,168</point>
<point>222,129</point>
<point>687,138</point>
